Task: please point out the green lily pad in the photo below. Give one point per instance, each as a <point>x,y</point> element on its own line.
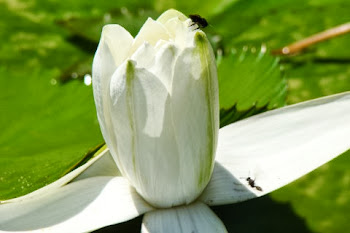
<point>46,128</point>
<point>46,131</point>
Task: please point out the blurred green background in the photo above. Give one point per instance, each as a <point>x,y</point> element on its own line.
<point>47,115</point>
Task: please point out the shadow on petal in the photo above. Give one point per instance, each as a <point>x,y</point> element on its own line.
<point>225,188</point>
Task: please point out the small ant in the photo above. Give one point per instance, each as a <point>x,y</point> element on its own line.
<point>199,21</point>
<point>251,182</point>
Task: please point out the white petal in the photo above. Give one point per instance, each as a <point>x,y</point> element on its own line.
<point>177,26</point>
<point>194,218</point>
<point>144,56</point>
<point>151,32</point>
<point>164,64</point>
<point>144,133</point>
<point>277,147</point>
<point>226,187</point>
<point>170,14</point>
<point>104,166</point>
<point>82,206</point>
<point>50,188</point>
<point>118,42</point>
<point>195,111</point>
<point>113,48</point>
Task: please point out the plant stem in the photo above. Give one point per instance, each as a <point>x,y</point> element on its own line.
<point>316,38</point>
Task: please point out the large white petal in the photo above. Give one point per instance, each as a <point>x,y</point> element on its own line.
<point>277,147</point>
<point>81,206</point>
<point>62,181</point>
<point>194,218</point>
<point>146,152</point>
<point>112,50</point>
<point>195,112</point>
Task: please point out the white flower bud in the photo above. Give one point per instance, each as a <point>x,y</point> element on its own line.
<point>157,102</point>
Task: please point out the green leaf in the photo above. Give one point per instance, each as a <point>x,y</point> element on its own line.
<point>322,69</point>
<point>310,80</point>
<point>47,128</point>
<point>249,82</point>
<point>44,135</point>
<point>277,23</point>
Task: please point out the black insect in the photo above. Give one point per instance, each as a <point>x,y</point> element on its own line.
<point>199,21</point>
<point>251,182</point>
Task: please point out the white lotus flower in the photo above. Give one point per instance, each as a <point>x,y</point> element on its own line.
<point>156,97</point>
<point>158,107</point>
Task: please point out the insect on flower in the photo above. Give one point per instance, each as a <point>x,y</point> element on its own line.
<point>251,182</point>
<point>199,21</point>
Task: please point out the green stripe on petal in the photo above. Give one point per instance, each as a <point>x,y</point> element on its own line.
<point>209,76</point>
<point>130,75</point>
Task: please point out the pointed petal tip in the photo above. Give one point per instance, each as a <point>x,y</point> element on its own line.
<point>171,13</point>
